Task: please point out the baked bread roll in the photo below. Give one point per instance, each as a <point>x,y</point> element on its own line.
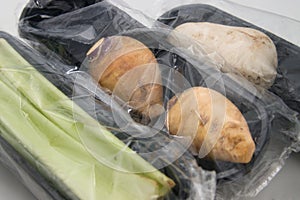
<point>198,112</point>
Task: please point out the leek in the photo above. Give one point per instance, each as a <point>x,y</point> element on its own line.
<point>66,144</point>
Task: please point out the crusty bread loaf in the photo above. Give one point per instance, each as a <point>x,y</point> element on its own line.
<point>201,111</point>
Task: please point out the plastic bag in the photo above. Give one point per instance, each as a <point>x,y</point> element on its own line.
<point>273,126</point>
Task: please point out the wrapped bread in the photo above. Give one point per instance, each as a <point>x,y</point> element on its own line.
<point>248,51</point>
<point>200,113</point>
<point>129,70</point>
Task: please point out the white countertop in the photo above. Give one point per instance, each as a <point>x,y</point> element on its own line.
<point>286,185</point>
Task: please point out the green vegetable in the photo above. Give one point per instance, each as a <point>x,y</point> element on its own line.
<point>67,145</point>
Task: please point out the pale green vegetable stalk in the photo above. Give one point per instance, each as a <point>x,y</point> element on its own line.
<point>68,146</point>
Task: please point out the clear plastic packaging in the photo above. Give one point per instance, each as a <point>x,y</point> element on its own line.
<point>279,25</point>
<point>285,85</point>
<point>175,13</point>
<point>29,176</point>
<point>191,182</point>
<point>274,127</point>
<point>182,64</point>
<point>103,20</point>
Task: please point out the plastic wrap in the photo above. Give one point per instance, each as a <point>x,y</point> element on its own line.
<point>175,13</point>
<point>285,87</point>
<point>28,175</point>
<point>191,182</point>
<point>184,64</point>
<point>286,84</point>
<point>282,26</point>
<point>103,19</point>
<point>274,127</point>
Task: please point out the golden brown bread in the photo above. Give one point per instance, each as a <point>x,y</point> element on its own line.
<point>200,110</point>
<point>129,70</point>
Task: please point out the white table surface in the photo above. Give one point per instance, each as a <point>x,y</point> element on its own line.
<point>285,186</point>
